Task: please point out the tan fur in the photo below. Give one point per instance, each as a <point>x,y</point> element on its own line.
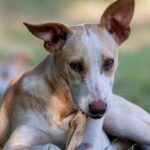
<point>16,98</point>
<point>5,112</point>
<point>39,105</point>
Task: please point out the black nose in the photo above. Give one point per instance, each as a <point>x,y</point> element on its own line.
<point>98,108</point>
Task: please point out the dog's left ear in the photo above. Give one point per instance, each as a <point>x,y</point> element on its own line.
<point>117,17</point>
<point>53,34</point>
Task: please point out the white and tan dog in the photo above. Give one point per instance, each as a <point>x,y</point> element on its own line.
<point>77,74</point>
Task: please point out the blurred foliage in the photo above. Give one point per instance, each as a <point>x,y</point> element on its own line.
<point>132,77</point>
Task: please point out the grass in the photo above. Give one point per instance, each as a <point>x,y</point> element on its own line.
<point>115,141</point>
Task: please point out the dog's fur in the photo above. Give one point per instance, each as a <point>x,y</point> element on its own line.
<point>38,106</point>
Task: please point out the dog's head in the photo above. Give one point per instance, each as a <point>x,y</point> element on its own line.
<point>86,55</point>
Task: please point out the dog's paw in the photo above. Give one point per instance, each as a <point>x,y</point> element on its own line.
<point>85,146</point>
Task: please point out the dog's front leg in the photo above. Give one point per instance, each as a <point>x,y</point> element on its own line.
<point>93,137</point>
<point>26,138</point>
<point>128,121</point>
<point>45,147</point>
<point>40,147</point>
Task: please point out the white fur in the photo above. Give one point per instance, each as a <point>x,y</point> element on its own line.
<point>94,132</point>
<point>35,85</point>
<point>23,136</point>
<point>97,82</point>
<point>35,127</point>
<point>55,134</point>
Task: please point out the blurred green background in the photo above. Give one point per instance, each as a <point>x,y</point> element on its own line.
<point>133,75</point>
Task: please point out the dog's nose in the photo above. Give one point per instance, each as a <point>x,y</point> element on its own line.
<point>98,108</point>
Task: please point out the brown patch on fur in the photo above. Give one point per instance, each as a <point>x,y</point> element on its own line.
<point>61,102</point>
<point>10,93</point>
<point>6,112</point>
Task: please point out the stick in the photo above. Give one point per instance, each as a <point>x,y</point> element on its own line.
<point>77,127</point>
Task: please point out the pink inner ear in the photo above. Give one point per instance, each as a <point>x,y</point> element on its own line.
<point>46,35</point>
<point>122,17</point>
<point>117,17</point>
<point>124,12</point>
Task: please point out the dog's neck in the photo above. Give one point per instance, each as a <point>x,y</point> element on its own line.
<point>58,97</point>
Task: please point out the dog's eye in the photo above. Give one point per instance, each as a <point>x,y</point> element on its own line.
<point>108,64</point>
<point>77,66</point>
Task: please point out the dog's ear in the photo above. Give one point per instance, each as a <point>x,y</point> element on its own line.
<point>53,34</point>
<point>117,17</point>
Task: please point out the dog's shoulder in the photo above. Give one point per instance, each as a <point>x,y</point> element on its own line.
<point>22,93</point>
<point>11,88</point>
<point>16,88</point>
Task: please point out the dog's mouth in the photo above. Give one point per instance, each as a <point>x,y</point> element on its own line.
<point>93,116</point>
<point>96,116</point>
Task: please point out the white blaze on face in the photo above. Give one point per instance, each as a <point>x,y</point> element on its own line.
<point>97,82</point>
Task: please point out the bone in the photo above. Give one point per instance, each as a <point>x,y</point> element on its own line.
<point>77,126</point>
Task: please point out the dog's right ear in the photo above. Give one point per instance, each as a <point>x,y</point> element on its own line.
<point>53,34</point>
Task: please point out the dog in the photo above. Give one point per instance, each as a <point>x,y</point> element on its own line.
<point>78,74</point>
